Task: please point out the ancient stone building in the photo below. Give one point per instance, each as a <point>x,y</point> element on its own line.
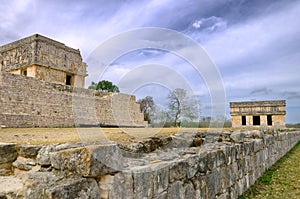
<point>258,114</point>
<point>60,99</point>
<point>45,59</point>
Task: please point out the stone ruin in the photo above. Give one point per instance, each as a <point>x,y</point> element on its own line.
<point>45,59</point>
<point>41,85</point>
<point>187,165</point>
<point>268,114</point>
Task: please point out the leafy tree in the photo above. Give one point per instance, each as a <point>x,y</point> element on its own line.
<point>147,106</point>
<point>104,85</point>
<point>182,106</point>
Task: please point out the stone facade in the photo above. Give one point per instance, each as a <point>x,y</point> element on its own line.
<point>258,114</point>
<point>42,85</point>
<point>29,102</point>
<point>223,166</point>
<point>45,59</point>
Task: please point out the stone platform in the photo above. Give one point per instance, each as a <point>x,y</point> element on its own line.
<point>186,165</point>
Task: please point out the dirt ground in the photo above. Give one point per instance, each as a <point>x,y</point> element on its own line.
<point>38,136</point>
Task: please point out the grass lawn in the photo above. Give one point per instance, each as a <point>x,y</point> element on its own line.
<point>282,180</point>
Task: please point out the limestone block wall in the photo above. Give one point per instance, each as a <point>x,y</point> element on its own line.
<point>213,170</point>
<point>29,102</point>
<point>52,60</point>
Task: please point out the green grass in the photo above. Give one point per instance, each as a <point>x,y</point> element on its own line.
<point>282,180</point>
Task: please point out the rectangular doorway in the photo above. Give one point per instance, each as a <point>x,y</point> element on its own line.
<point>269,120</point>
<point>243,120</point>
<point>256,120</point>
<point>69,80</point>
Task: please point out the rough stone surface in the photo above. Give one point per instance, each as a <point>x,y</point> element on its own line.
<point>24,163</point>
<point>10,187</point>
<point>43,157</point>
<point>147,145</point>
<point>213,170</point>
<point>29,151</point>
<point>8,152</point>
<point>237,137</point>
<point>57,105</point>
<point>181,140</point>
<point>54,75</point>
<point>49,185</point>
<point>89,161</point>
<point>258,134</point>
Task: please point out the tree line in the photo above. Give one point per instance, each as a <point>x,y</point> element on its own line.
<point>182,109</point>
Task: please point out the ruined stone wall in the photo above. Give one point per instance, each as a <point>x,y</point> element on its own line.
<point>28,102</point>
<point>53,60</point>
<point>223,166</point>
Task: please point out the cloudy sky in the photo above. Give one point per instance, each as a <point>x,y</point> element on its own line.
<point>255,45</point>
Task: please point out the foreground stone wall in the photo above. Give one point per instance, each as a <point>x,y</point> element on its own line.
<point>28,102</point>
<point>189,165</point>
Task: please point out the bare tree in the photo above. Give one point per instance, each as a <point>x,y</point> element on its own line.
<point>147,106</point>
<point>182,106</point>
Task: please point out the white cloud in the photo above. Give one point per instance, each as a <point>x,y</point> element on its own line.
<point>210,24</point>
<point>241,41</point>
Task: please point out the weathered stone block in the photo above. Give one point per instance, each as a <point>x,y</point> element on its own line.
<point>143,183</point>
<point>212,180</point>
<point>241,168</point>
<point>47,185</point>
<point>178,170</point>
<point>229,154</point>
<point>43,157</point>
<point>220,158</point>
<point>10,187</point>
<point>202,162</point>
<point>237,137</point>
<point>161,179</point>
<point>181,140</point>
<point>233,173</point>
<point>189,191</point>
<point>258,145</point>
<point>29,151</point>
<point>240,151</point>
<point>248,148</point>
<point>25,164</point>
<point>258,134</point>
<point>8,152</point>
<point>89,161</point>
<point>163,195</point>
<point>211,160</point>
<point>192,166</point>
<point>175,190</point>
<point>122,186</point>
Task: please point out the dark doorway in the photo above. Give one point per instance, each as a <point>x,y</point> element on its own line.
<point>69,80</point>
<point>256,120</point>
<point>269,120</point>
<point>243,120</point>
<point>24,72</point>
